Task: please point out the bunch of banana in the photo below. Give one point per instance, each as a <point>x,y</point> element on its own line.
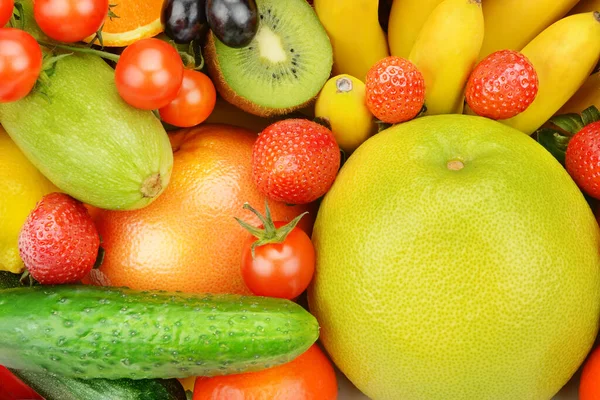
<point>511,24</point>
<point>587,95</point>
<point>563,56</point>
<point>406,20</point>
<point>445,52</point>
<point>356,36</point>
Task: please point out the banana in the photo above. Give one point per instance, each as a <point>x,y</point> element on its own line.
<point>445,52</point>
<point>511,24</point>
<point>563,56</point>
<point>406,20</point>
<point>587,95</point>
<point>355,33</point>
<point>585,6</point>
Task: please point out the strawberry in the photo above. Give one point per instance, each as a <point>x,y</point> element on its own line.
<point>295,161</point>
<point>502,85</point>
<point>59,242</point>
<point>582,159</point>
<point>395,90</point>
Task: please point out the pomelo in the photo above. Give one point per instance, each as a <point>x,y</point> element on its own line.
<point>456,259</point>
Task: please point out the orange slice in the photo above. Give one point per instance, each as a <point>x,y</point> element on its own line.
<point>137,19</point>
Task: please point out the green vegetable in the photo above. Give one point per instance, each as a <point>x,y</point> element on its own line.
<point>78,132</point>
<point>62,388</point>
<point>53,387</point>
<point>100,332</point>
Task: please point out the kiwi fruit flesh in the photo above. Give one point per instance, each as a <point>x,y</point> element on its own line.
<point>282,69</point>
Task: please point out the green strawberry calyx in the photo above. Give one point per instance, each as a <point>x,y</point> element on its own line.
<point>557,134</point>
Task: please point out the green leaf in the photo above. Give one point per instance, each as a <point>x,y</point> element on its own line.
<point>590,115</point>
<point>554,142</point>
<point>570,123</point>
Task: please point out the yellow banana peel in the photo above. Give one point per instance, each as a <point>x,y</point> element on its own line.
<point>585,6</point>
<point>446,51</point>
<point>356,37</point>
<point>406,20</point>
<point>563,56</point>
<point>587,95</point>
<point>511,24</point>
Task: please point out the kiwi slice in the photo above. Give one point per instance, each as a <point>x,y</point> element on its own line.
<point>282,69</point>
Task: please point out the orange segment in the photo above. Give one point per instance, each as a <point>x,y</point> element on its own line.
<point>137,19</point>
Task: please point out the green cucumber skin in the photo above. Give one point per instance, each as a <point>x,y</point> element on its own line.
<point>61,388</point>
<point>53,387</point>
<point>84,138</point>
<point>113,333</point>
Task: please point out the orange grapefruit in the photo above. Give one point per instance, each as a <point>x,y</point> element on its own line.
<point>188,239</point>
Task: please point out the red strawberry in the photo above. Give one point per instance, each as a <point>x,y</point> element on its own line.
<point>502,85</point>
<point>582,159</point>
<point>295,161</point>
<point>395,90</point>
<point>59,242</point>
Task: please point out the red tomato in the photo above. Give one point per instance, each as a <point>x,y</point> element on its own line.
<point>70,20</point>
<point>149,74</point>
<point>6,11</point>
<point>12,388</point>
<point>279,269</point>
<point>20,64</point>
<point>194,102</point>
<point>589,384</point>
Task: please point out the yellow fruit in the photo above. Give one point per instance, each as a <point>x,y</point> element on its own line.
<point>511,24</point>
<point>436,279</point>
<point>563,56</point>
<point>585,6</point>
<point>356,36</point>
<point>342,104</point>
<point>446,51</point>
<point>21,186</point>
<point>587,95</point>
<point>406,20</point>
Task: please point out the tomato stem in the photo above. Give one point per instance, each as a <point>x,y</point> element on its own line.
<point>268,233</point>
<point>86,50</point>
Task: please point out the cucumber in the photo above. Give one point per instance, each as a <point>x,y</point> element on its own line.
<point>84,138</point>
<point>61,388</point>
<point>53,387</point>
<point>101,332</point>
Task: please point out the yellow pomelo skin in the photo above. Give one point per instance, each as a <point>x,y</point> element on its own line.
<point>440,283</point>
<point>21,187</point>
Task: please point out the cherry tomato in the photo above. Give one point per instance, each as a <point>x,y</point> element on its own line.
<point>70,20</point>
<point>589,384</point>
<point>12,388</point>
<point>279,269</point>
<point>194,102</point>
<point>6,11</point>
<point>149,74</point>
<point>20,64</point>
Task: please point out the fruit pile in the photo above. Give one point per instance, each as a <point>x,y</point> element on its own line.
<point>234,199</point>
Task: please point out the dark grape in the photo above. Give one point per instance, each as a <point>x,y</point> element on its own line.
<point>234,22</point>
<point>184,20</point>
